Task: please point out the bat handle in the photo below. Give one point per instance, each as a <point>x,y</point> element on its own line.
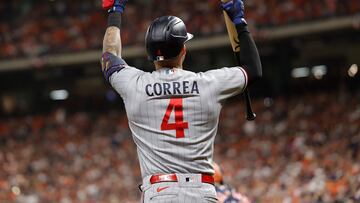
<point>250,115</point>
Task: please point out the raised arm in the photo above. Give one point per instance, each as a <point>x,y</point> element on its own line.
<point>111,60</point>
<point>249,56</point>
<point>112,40</point>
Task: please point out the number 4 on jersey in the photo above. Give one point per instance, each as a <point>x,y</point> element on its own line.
<point>179,125</point>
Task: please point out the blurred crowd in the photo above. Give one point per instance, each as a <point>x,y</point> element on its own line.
<point>30,28</point>
<point>299,150</point>
<point>302,150</point>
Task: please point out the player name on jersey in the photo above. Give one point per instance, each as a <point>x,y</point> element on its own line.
<point>172,88</point>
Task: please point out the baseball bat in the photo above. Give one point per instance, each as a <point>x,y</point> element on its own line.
<point>235,44</point>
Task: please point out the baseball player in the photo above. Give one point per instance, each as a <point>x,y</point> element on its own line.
<point>174,113</point>
<point>225,193</point>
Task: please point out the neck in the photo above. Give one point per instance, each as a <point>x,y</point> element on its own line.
<point>164,64</point>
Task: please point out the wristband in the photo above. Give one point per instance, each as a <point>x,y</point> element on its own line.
<point>241,28</point>
<point>114,19</point>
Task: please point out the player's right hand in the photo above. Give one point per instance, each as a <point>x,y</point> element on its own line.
<point>114,5</point>
<point>235,10</point>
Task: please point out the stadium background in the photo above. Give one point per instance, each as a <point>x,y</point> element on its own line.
<point>64,134</point>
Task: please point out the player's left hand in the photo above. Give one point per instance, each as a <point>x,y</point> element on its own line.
<point>235,10</point>
<point>114,5</point>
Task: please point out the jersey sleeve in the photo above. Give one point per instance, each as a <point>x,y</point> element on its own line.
<point>227,82</point>
<point>118,73</point>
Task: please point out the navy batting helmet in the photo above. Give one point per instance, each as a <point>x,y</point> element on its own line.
<point>165,38</point>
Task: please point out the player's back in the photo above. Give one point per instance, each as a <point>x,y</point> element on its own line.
<point>173,115</point>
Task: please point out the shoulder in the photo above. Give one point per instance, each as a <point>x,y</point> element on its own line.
<point>224,70</point>
<point>130,71</point>
<point>225,73</point>
<point>186,72</point>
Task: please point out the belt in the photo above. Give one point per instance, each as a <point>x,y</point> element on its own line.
<point>173,178</point>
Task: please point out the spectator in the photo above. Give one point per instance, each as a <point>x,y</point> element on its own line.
<point>31,29</point>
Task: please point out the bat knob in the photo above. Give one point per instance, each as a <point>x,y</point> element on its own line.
<point>251,117</point>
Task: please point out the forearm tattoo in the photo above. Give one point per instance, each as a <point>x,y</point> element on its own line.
<point>112,41</point>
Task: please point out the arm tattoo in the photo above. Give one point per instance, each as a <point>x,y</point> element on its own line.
<point>112,41</point>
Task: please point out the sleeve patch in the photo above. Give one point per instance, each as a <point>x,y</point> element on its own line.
<point>111,64</point>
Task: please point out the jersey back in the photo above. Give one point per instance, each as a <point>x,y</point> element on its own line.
<point>173,115</point>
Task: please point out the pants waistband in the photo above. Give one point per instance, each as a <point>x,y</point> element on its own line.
<point>182,179</point>
<point>205,178</point>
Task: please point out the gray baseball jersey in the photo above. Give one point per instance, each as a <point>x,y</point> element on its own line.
<point>173,114</point>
